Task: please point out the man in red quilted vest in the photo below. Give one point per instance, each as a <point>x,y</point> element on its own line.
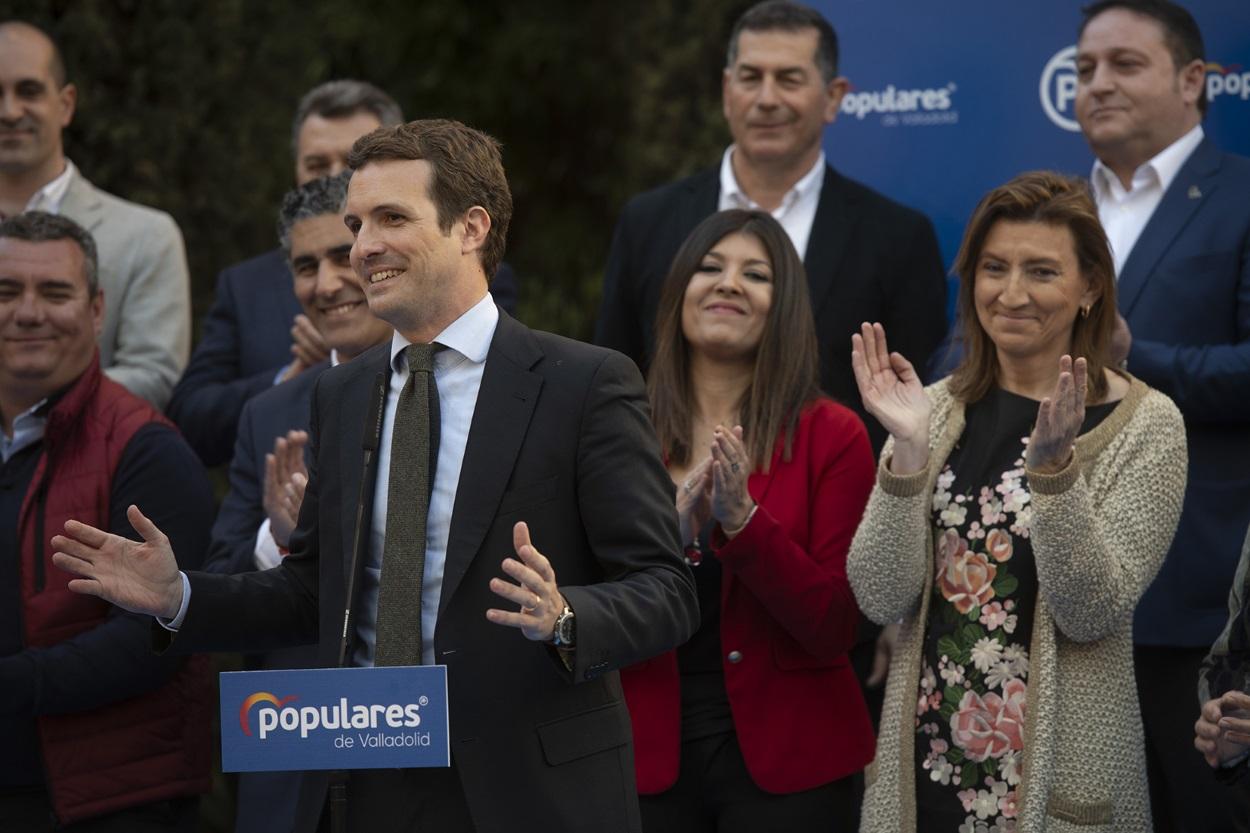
<point>98,732</point>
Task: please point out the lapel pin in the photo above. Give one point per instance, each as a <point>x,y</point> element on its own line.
<point>1195,193</point>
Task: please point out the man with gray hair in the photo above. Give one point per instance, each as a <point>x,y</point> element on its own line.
<point>145,332</point>
<point>95,725</point>
<point>259,512</point>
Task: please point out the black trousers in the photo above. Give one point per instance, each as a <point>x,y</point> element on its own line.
<point>1184,794</point>
<point>30,811</point>
<point>714,793</point>
<point>405,801</point>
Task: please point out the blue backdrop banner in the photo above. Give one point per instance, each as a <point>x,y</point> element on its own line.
<point>950,100</point>
<point>334,718</point>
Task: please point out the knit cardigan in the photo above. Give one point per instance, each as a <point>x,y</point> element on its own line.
<point>1100,529</point>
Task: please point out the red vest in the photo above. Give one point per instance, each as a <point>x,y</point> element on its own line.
<point>151,747</point>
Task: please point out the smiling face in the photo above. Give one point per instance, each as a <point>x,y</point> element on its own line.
<point>33,108</point>
<point>417,278</point>
<point>323,144</point>
<point>48,321</point>
<point>725,306</point>
<point>1028,290</point>
<point>774,98</point>
<point>328,288</point>
<point>1132,101</point>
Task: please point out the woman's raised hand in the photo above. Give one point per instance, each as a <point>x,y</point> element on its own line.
<point>694,501</point>
<point>1059,419</point>
<point>893,393</point>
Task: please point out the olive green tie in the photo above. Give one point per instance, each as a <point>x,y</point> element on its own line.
<point>414,443</point>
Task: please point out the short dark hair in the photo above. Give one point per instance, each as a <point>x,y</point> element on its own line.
<point>783,15</point>
<point>1181,34</point>
<point>56,64</point>
<point>342,98</point>
<point>787,363</point>
<point>1054,200</point>
<point>467,171</point>
<point>324,195</point>
<point>42,227</point>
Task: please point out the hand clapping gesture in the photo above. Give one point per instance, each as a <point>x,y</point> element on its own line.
<point>1059,419</point>
<point>731,503</point>
<point>892,392</point>
<point>285,479</point>
<point>535,591</point>
<point>694,501</point>
<point>1223,728</point>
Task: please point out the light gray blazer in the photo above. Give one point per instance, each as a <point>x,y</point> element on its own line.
<point>146,339</point>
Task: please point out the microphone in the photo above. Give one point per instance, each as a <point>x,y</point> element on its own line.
<point>369,445</point>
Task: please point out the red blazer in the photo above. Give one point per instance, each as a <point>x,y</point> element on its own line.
<point>787,616</point>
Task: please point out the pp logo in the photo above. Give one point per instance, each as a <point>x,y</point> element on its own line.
<point>1058,89</point>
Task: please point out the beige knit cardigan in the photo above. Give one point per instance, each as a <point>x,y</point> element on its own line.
<point>1100,530</point>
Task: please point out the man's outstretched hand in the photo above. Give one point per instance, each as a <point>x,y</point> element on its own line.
<point>140,577</point>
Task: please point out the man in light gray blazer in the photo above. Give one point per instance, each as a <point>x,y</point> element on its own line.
<point>146,338</point>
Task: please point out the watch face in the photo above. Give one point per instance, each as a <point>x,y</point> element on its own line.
<point>564,629</point>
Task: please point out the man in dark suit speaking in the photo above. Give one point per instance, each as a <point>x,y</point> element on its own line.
<point>549,555</point>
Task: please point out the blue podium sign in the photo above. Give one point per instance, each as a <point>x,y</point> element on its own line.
<point>334,718</point>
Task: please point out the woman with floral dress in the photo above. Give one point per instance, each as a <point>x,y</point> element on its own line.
<point>1022,506</point>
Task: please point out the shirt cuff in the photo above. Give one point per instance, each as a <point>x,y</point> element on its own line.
<point>277,378</point>
<point>1236,762</point>
<point>175,623</point>
<point>266,554</point>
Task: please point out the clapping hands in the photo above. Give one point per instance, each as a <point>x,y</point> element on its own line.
<point>893,393</point>
<point>1223,728</point>
<point>285,480</point>
<point>1059,419</point>
<point>717,487</point>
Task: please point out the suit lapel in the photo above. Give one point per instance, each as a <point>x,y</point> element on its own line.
<point>505,403</point>
<point>828,239</point>
<point>1194,184</point>
<point>81,203</point>
<point>701,199</point>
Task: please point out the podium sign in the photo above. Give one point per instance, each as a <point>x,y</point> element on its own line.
<point>334,718</point>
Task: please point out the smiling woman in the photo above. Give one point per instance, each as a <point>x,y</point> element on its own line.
<point>771,479</point>
<point>1022,507</point>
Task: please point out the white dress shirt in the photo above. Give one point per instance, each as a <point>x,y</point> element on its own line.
<point>797,211</point>
<point>28,427</point>
<point>1124,213</point>
<point>458,373</point>
<point>52,194</point>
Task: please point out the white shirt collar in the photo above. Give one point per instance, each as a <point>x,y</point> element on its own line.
<point>52,194</point>
<point>28,427</point>
<point>732,191</point>
<point>469,335</point>
<point>1164,167</point>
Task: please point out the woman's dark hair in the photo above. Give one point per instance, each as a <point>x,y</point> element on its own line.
<point>1055,200</point>
<point>786,363</point>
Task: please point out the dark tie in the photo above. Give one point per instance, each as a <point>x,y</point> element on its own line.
<point>414,444</point>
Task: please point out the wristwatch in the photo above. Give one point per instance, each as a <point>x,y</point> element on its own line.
<point>564,636</point>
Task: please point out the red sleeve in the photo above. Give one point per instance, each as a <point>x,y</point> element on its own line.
<point>806,589</point>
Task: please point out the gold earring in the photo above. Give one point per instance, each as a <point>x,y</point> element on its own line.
<point>1085,310</point>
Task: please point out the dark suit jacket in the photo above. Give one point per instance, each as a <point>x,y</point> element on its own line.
<point>266,801</point>
<point>868,259</point>
<point>245,342</point>
<point>1185,292</point>
<point>560,439</point>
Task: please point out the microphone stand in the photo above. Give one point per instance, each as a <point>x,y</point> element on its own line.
<point>369,445</point>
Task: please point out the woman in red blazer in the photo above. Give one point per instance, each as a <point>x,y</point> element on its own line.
<point>757,722</point>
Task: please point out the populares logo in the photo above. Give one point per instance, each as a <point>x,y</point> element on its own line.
<point>274,715</point>
<point>1057,89</point>
<point>906,106</point>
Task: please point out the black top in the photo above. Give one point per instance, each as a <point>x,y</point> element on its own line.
<point>705,709</point>
<point>972,697</point>
<point>159,473</point>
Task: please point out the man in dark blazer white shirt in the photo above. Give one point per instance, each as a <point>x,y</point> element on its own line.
<point>254,336</point>
<point>1176,214</point>
<point>561,513</point>
<point>867,257</point>
<point>256,518</point>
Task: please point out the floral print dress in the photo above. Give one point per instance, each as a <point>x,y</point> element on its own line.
<point>972,702</point>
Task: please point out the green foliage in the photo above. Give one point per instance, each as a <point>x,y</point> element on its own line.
<point>187,107</point>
